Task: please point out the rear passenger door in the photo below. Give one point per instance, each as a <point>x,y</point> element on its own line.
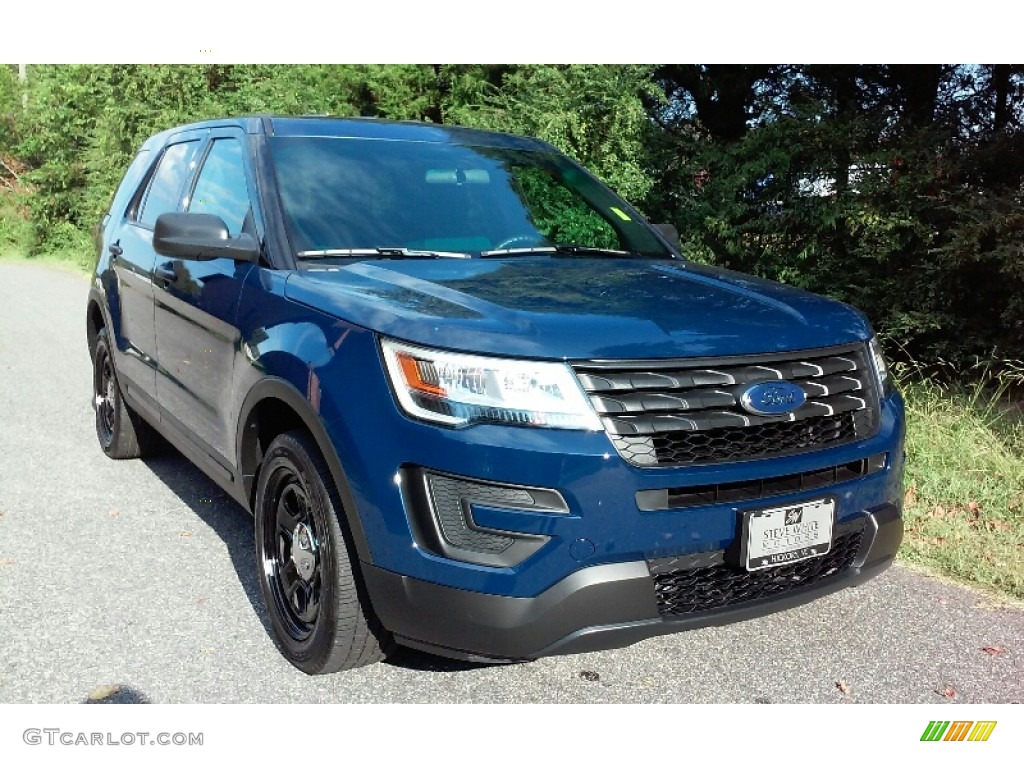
<point>132,260</point>
<point>197,303</point>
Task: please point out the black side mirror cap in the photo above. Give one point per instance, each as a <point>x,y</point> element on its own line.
<point>202,237</point>
<point>670,234</point>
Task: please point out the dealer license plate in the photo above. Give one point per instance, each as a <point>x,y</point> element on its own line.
<point>788,534</point>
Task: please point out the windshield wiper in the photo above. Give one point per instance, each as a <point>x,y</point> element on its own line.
<point>382,252</point>
<point>562,249</point>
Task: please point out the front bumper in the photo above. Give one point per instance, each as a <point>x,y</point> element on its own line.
<point>595,608</point>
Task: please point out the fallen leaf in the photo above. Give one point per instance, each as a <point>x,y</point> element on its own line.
<point>203,600</point>
<point>103,692</point>
<point>973,506</point>
<point>113,513</point>
<point>948,692</point>
<point>590,677</point>
<point>994,650</point>
<point>843,688</point>
<point>910,497</point>
<point>939,540</point>
<point>997,525</point>
<point>6,561</point>
<point>185,534</point>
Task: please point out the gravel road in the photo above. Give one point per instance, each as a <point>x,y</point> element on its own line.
<point>141,574</point>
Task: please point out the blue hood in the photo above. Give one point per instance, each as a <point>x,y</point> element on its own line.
<point>577,308</point>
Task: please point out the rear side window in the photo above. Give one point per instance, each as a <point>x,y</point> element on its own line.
<point>221,189</point>
<point>164,192</point>
<point>130,183</point>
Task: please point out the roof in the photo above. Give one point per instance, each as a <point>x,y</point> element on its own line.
<point>374,128</point>
<point>363,128</point>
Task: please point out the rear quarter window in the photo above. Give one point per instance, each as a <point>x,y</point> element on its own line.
<point>130,183</point>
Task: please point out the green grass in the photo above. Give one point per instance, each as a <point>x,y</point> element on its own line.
<point>964,501</point>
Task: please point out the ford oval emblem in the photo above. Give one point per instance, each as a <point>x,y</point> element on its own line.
<point>773,398</point>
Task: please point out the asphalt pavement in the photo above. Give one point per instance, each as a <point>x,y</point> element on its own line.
<point>139,576</point>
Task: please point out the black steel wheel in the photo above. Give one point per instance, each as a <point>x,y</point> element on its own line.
<point>292,558</point>
<point>321,617</point>
<point>121,432</point>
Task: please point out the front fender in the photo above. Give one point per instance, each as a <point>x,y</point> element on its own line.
<point>286,352</point>
<point>279,389</point>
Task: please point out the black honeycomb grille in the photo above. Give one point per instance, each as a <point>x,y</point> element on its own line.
<point>732,443</point>
<point>720,585</point>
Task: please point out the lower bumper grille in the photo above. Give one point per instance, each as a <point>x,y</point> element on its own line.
<point>687,591</point>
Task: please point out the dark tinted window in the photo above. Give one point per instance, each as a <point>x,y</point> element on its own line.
<point>353,194</point>
<point>221,189</point>
<point>130,183</point>
<point>165,188</point>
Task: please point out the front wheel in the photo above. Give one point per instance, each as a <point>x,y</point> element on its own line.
<point>321,617</point>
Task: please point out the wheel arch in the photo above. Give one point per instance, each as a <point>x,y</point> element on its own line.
<point>95,318</point>
<point>273,406</point>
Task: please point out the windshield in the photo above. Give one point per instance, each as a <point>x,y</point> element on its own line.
<point>347,197</point>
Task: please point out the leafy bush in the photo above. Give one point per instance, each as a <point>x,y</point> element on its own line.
<point>898,189</point>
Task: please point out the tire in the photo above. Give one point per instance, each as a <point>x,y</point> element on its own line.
<point>121,432</point>
<point>321,616</point>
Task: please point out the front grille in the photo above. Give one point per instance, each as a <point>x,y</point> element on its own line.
<point>685,591</point>
<point>683,412</point>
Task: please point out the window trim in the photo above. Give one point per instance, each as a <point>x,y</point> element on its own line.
<point>139,199</point>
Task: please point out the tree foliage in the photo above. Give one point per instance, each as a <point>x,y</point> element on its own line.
<point>897,188</point>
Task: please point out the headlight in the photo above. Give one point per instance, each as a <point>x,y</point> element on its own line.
<point>456,389</point>
<point>881,369</point>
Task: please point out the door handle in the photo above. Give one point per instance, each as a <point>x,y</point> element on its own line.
<point>166,274</point>
<point>115,249</point>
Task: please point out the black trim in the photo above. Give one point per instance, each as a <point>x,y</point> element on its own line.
<point>428,524</point>
<point>510,627</point>
<point>595,608</point>
<point>170,428</point>
<point>282,390</point>
<point>280,252</point>
<point>758,488</point>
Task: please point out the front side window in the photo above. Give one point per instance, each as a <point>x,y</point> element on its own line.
<point>164,193</point>
<point>354,194</point>
<point>221,189</point>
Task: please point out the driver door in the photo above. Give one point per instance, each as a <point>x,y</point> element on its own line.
<point>196,303</point>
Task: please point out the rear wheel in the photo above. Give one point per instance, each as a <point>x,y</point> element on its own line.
<point>321,617</point>
<point>122,433</point>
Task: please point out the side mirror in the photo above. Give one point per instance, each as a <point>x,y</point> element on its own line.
<point>671,234</point>
<point>201,236</point>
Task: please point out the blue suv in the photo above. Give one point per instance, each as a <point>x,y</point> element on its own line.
<point>477,404</point>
